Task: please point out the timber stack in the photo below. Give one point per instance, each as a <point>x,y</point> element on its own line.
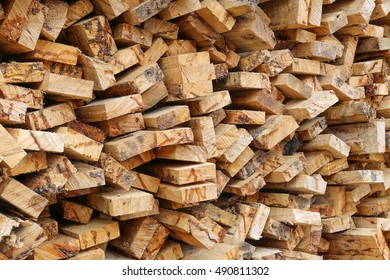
<point>195,129</point>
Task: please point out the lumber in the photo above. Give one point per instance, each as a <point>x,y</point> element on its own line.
<point>96,232</point>
<point>22,197</point>
<point>141,238</point>
<point>63,247</point>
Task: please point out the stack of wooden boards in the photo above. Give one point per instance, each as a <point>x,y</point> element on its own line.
<point>188,129</point>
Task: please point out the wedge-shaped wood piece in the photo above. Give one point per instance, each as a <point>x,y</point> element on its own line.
<point>243,81</point>
<point>122,125</point>
<point>166,117</point>
<point>86,179</point>
<point>373,45</point>
<point>99,72</point>
<point>190,193</point>
<point>287,14</point>
<point>257,100</point>
<point>11,152</point>
<point>343,91</point>
<point>93,37</point>
<point>333,167</point>
<point>174,136</point>
<point>328,142</point>
<point>231,169</point>
<point>55,19</point>
<point>251,60</point>
<point>292,87</point>
<point>275,129</point>
<point>276,63</point>
<point>102,110</point>
<point>154,95</point>
<point>111,8</point>
<point>38,140</point>
<point>263,162</point>
<point>238,7</point>
<point>115,173</point>
<point>315,50</point>
<point>32,162</point>
<point>316,160</point>
<point>259,220</point>
<point>208,104</point>
<point>122,60</point>
<point>22,197</point>
<point>245,217</point>
<point>32,98</point>
<point>358,12</point>
<point>138,160</point>
<point>374,206</point>
<point>237,148</point>
<point>204,134</point>
<point>337,224</point>
<point>356,177</point>
<point>190,153</point>
<point>363,138</point>
<point>301,66</point>
<point>137,80</point>
<point>96,232</point>
<point>78,146</point>
<point>295,216</point>
<point>350,112</point>
<point>50,51</point>
<point>188,229</point>
<point>171,250</point>
<point>141,238</point>
<point>290,243</point>
<point>309,129</point>
<point>250,33</point>
<point>121,202</point>
<point>215,213</point>
<point>125,147</point>
<point>50,116</point>
<point>318,103</point>
<point>343,245</point>
<point>183,173</point>
<point>51,181</point>
<point>14,20</point>
<point>13,112</point>
<point>216,16</point>
<point>66,87</point>
<point>145,182</point>
<point>63,247</point>
<point>30,32</point>
<point>179,8</point>
<point>160,28</point>
<point>193,27</point>
<point>75,212</point>
<point>128,35</point>
<point>245,187</point>
<point>77,10</point>
<point>154,211</point>
<point>288,170</point>
<point>22,72</point>
<point>29,236</point>
<point>304,184</point>
<point>184,60</point>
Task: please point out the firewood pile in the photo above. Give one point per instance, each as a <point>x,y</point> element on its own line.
<point>195,129</point>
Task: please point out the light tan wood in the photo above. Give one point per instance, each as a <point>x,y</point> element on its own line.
<point>32,162</point>
<point>166,117</point>
<point>93,37</point>
<point>141,238</point>
<point>38,140</point>
<point>31,97</point>
<point>275,129</point>
<point>50,116</point>
<point>77,10</point>
<point>289,169</point>
<point>55,19</point>
<point>16,112</point>
<point>22,197</point>
<point>163,29</point>
<point>171,250</point>
<point>102,110</point>
<point>11,153</point>
<point>330,143</point>
<point>96,232</point>
<point>188,229</point>
<point>63,247</point>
